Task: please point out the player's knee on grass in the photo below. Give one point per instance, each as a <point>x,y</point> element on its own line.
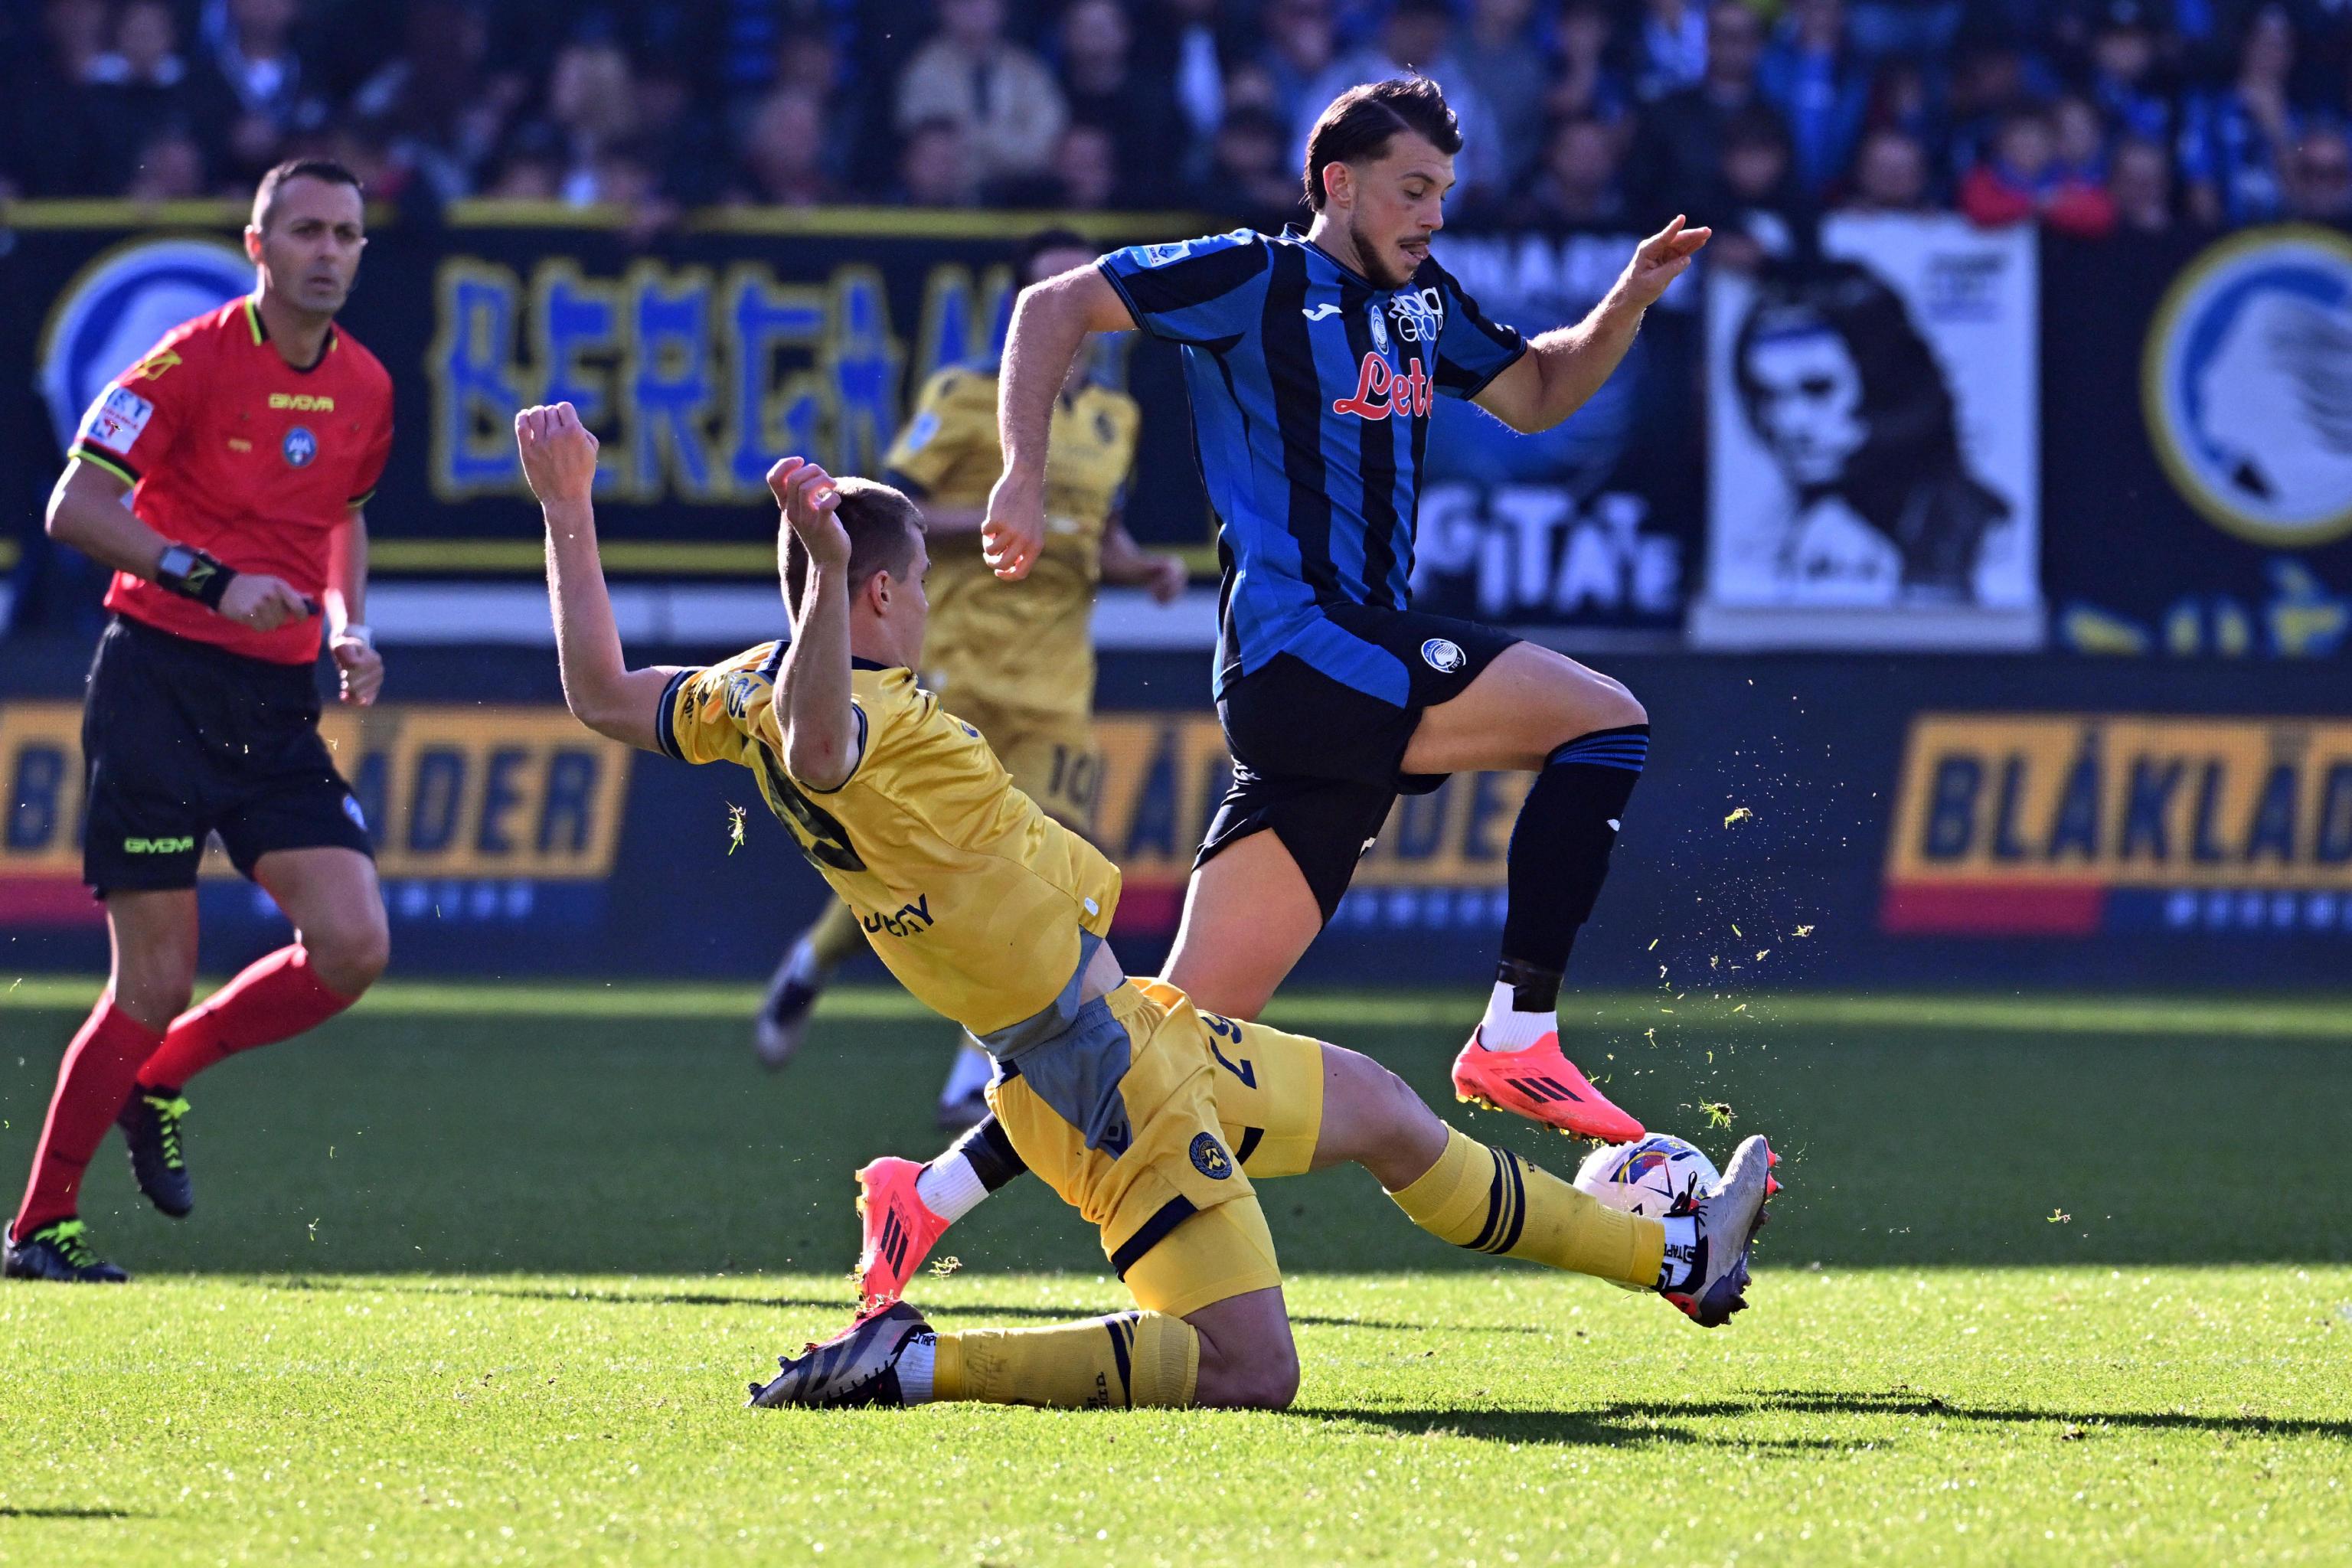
<point>1248,1361</point>
<point>1373,1119</point>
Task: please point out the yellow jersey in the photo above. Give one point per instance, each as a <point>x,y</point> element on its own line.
<point>1028,646</point>
<point>973,896</point>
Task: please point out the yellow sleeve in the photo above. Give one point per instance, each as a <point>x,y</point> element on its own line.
<point>956,412</point>
<point>719,713</point>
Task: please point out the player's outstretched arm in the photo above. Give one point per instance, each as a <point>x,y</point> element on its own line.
<point>813,708</point>
<point>1049,322</point>
<point>559,459</point>
<point>1564,368</point>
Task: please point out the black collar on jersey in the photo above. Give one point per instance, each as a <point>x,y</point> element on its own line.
<point>1292,231</point>
<point>261,335</point>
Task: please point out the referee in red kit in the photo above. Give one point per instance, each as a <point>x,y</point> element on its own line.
<point>247,440</point>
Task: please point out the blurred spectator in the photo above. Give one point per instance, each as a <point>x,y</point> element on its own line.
<point>143,92</point>
<point>439,103</point>
<point>1811,77</point>
<point>783,160</point>
<point>1678,147</point>
<point>936,166</point>
<point>1300,41</point>
<point>2023,180</point>
<point>1086,169</point>
<point>1919,29</point>
<point>1992,81</point>
<point>1890,173</point>
<point>253,57</point>
<point>1588,83</point>
<point>2079,138</point>
<point>1672,46</point>
<point>2234,146</point>
<point>1757,207</point>
<point>168,167</point>
<point>2319,189</point>
<point>1189,46</point>
<point>1417,36</point>
<point>2123,75</point>
<point>1000,96</point>
<point>592,101</point>
<point>2139,183</point>
<point>55,127</point>
<point>1497,57</point>
<point>1251,175</point>
<point>1576,184</point>
<point>530,166</point>
<point>1135,114</point>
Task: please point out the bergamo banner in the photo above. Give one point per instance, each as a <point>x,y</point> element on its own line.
<point>1873,442</point>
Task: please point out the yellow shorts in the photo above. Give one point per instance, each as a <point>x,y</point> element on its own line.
<point>1052,757</point>
<point>1157,1149</point>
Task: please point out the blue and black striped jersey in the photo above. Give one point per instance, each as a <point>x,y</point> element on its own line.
<point>1311,391</point>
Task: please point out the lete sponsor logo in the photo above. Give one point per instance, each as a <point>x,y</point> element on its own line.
<point>2067,824</point>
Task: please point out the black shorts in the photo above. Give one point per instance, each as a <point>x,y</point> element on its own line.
<point>181,740</point>
<point>1320,761</point>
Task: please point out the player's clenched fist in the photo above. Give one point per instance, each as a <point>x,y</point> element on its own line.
<point>808,496</point>
<point>1015,530</point>
<point>559,453</point>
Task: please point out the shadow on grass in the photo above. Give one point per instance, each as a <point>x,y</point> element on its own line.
<point>71,1513</point>
<point>1658,1420</point>
<point>806,1303</point>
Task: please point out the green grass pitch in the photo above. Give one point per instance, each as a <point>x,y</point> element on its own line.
<point>478,1277</point>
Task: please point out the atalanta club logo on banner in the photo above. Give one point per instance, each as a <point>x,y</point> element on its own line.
<point>2246,383</point>
<point>116,310</point>
<point>300,447</point>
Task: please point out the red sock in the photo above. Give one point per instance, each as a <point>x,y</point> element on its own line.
<point>93,1083</point>
<point>276,998</point>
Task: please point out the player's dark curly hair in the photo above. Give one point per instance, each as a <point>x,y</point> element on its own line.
<point>1360,121</point>
<point>883,525</point>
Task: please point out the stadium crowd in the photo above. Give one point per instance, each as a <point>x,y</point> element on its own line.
<point>2092,115</point>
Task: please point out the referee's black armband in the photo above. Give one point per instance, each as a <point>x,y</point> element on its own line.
<point>193,574</point>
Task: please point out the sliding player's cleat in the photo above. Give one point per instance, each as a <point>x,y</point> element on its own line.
<point>151,1125</point>
<point>858,1366</point>
<point>1542,1085</point>
<point>791,1002</point>
<point>1771,1182</point>
<point>58,1251</point>
<point>1728,1215</point>
<point>899,1232</point>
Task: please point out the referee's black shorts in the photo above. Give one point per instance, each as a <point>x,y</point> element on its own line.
<point>181,740</point>
<point>1319,762</point>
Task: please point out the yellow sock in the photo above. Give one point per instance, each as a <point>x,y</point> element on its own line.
<point>1121,1362</point>
<point>835,936</point>
<point>1490,1200</point>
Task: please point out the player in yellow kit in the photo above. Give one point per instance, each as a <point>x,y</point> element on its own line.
<point>1014,659</point>
<point>1149,1117</point>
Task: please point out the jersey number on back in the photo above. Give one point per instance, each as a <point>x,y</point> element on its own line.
<point>822,837</point>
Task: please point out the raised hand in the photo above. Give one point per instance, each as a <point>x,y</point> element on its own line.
<point>1658,261</point>
<point>559,453</point>
<point>809,498</point>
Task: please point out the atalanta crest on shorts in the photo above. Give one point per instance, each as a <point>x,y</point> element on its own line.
<point>1443,654</point>
<point>1209,1157</point>
<point>300,447</point>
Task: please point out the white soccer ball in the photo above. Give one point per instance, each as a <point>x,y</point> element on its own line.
<point>1657,1176</point>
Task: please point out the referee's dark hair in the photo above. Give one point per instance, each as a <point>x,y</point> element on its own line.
<point>1358,125</point>
<point>265,195</point>
<point>883,527</point>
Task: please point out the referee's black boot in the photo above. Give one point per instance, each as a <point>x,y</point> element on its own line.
<point>60,1252</point>
<point>151,1125</point>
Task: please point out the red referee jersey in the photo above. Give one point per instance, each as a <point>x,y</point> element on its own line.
<point>241,455</point>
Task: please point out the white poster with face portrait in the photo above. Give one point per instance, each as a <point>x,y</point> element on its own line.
<point>1873,443</point>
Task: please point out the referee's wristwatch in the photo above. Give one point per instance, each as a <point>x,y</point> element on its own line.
<point>193,574</point>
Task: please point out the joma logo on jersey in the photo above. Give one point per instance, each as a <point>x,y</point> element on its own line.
<point>912,920</point>
<point>1381,391</point>
<point>179,845</point>
<point>301,402</point>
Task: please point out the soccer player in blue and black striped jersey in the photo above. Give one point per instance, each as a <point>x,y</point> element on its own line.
<point>1314,360</point>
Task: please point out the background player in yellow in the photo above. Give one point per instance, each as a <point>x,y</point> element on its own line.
<point>1149,1117</point>
<point>1014,659</point>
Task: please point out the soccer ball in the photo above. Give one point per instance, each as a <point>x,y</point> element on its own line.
<point>1658,1176</point>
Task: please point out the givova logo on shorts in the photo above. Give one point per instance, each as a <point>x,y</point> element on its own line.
<point>179,845</point>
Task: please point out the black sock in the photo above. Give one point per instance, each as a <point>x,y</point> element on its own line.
<point>1559,856</point>
<point>993,1159</point>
